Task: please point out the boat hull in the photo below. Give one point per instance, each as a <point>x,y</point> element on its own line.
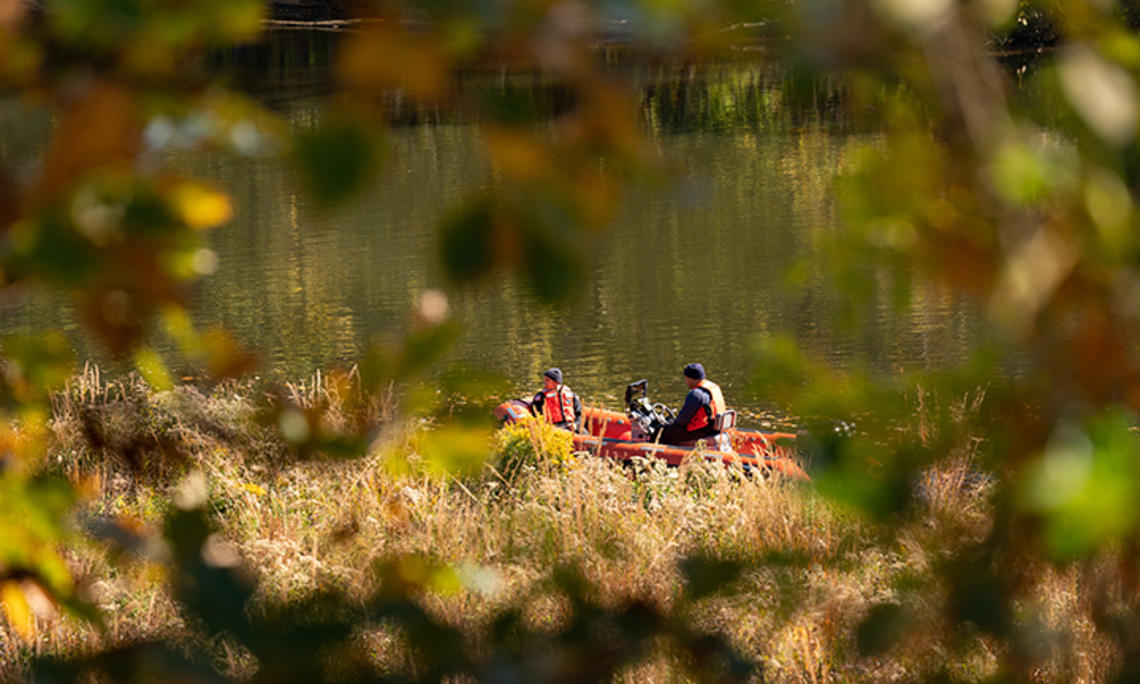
<point>607,434</point>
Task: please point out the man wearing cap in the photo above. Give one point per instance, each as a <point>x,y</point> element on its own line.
<point>702,405</point>
<point>557,403</point>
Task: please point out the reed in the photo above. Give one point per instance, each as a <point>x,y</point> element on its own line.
<point>812,568</point>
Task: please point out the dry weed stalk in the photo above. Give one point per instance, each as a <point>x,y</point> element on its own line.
<point>812,569</point>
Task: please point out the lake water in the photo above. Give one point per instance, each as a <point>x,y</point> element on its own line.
<point>693,270</point>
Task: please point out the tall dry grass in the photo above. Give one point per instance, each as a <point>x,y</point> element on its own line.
<point>813,569</point>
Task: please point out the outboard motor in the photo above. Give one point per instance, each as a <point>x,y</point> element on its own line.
<point>644,418</point>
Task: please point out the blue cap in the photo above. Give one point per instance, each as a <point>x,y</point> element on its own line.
<point>554,374</point>
<point>695,371</point>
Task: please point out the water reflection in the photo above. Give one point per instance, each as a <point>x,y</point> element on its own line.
<point>690,271</point>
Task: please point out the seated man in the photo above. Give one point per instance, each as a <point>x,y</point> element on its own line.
<point>557,403</point>
<point>702,405</point>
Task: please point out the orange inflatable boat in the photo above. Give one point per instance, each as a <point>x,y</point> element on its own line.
<point>624,436</point>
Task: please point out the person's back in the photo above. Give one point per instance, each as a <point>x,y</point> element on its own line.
<point>703,403</point>
<point>556,403</point>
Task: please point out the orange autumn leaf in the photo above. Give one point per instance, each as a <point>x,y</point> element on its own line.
<point>101,128</point>
<point>517,153</point>
<point>12,12</point>
<point>384,58</point>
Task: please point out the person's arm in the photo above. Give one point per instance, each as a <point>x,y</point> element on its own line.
<point>693,402</point>
<point>577,414</point>
<point>536,404</point>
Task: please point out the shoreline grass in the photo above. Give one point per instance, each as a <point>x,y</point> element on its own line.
<point>811,570</point>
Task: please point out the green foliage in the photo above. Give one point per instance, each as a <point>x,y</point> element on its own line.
<point>337,159</point>
<point>134,26</point>
<point>466,241</point>
<point>983,189</point>
<point>1084,486</point>
<point>35,511</point>
<point>452,450</point>
<point>34,366</point>
<point>975,187</point>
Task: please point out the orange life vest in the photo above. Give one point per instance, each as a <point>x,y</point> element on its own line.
<point>715,407</point>
<point>558,404</point>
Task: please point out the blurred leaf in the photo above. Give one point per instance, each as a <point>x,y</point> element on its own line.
<point>868,477</point>
<point>408,575</point>
<point>454,451</point>
<point>100,128</point>
<point>784,375</point>
<point>153,369</point>
<point>884,626</point>
<point>384,57</point>
<point>46,246</point>
<point>35,365</point>
<point>216,593</point>
<point>1109,204</point>
<point>1104,94</point>
<point>408,359</point>
<point>17,609</point>
<point>225,358</point>
<point>12,12</point>
<point>468,241</point>
<point>978,594</point>
<point>509,107</point>
<point>21,57</point>
<point>176,322</point>
<point>707,576</point>
<point>237,21</point>
<point>113,316</point>
<point>294,425</point>
<point>337,159</point>
<point>517,154</point>
<point>553,268</point>
<point>138,662</point>
<point>1086,486</point>
<point>470,393</point>
<point>145,31</point>
<point>33,511</point>
<point>102,22</point>
<point>1025,175</point>
<point>425,347</point>
<point>221,353</point>
<point>9,209</point>
<point>201,207</point>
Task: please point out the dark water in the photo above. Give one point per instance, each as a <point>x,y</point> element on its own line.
<point>693,269</point>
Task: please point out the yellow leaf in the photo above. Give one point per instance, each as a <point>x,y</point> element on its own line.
<point>242,20</point>
<point>153,370</point>
<point>201,207</point>
<point>17,609</point>
<point>176,321</point>
<point>253,489</point>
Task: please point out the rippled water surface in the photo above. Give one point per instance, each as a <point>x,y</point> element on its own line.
<point>692,269</point>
